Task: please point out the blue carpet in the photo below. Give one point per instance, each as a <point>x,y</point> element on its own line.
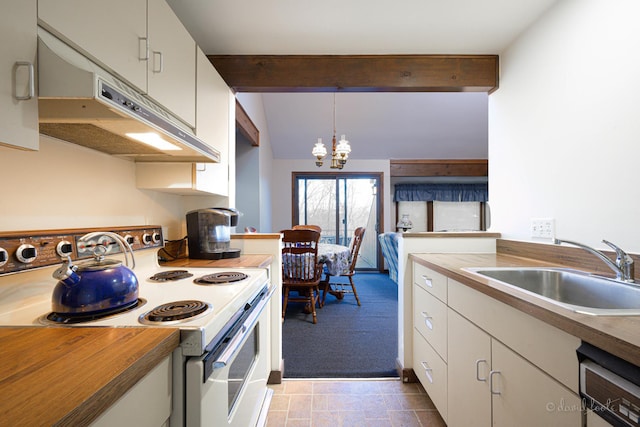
<point>348,341</point>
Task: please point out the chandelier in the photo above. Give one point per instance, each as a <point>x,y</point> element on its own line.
<point>339,150</point>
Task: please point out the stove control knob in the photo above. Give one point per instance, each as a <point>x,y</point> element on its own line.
<point>4,256</point>
<point>64,248</point>
<point>26,253</point>
<point>155,237</point>
<point>129,239</point>
<point>147,239</point>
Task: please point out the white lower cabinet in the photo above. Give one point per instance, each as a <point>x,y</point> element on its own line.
<point>500,367</point>
<point>469,369</point>
<point>522,395</point>
<point>146,404</point>
<point>489,384</point>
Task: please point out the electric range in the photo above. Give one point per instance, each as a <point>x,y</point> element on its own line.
<point>26,287</point>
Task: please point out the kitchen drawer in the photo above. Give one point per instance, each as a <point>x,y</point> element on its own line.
<point>431,370</point>
<point>429,280</point>
<point>430,319</point>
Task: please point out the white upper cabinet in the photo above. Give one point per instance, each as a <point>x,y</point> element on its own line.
<point>145,44</point>
<point>213,124</point>
<point>172,62</point>
<point>18,101</point>
<point>112,33</point>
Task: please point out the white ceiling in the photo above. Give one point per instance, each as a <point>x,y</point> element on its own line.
<point>378,125</point>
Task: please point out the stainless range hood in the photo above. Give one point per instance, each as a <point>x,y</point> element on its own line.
<point>82,103</point>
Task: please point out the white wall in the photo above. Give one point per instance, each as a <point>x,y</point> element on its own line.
<point>281,175</point>
<point>68,186</point>
<point>253,105</point>
<point>564,126</point>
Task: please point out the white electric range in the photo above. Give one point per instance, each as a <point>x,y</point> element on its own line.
<point>221,320</point>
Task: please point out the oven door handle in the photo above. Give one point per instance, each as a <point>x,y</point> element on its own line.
<point>236,343</point>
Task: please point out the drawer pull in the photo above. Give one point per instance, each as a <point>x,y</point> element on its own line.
<point>427,320</point>
<point>143,48</point>
<point>427,281</point>
<point>427,371</point>
<point>158,62</point>
<point>30,92</point>
<point>491,374</point>
<point>478,362</point>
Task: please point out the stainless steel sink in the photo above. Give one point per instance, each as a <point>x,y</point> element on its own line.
<point>572,289</point>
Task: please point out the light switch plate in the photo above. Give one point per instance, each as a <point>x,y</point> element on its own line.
<point>543,228</point>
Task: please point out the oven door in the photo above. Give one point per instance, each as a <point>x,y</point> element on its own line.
<point>231,389</point>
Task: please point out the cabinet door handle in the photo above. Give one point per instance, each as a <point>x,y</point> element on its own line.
<point>427,281</point>
<point>478,362</point>
<point>158,62</point>
<point>143,48</point>
<point>30,83</point>
<point>427,371</point>
<point>427,320</point>
<point>491,374</point>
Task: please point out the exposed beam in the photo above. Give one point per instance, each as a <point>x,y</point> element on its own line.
<point>471,167</point>
<point>246,127</point>
<point>358,73</point>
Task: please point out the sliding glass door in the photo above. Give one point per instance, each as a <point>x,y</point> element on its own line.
<point>339,203</point>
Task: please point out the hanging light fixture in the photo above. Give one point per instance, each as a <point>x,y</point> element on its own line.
<point>339,150</point>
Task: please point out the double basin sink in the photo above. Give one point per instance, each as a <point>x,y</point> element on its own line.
<point>572,289</point>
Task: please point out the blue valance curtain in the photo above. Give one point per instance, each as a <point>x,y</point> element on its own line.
<point>473,192</point>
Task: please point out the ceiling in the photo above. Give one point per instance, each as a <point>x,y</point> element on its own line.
<point>378,125</point>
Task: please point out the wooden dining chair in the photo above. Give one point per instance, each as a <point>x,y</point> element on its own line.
<point>307,227</point>
<point>330,284</point>
<point>301,271</point>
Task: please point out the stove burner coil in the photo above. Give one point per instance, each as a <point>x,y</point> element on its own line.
<point>177,310</point>
<point>71,319</point>
<point>171,275</point>
<point>221,278</point>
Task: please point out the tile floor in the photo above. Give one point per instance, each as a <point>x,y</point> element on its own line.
<point>350,403</point>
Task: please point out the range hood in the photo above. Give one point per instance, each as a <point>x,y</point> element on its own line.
<point>82,103</point>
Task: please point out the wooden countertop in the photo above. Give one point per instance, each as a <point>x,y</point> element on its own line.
<point>243,261</point>
<point>618,335</point>
<point>69,376</point>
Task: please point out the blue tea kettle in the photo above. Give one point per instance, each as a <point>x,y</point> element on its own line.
<point>96,286</point>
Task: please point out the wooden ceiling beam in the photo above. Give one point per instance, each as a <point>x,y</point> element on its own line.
<point>358,73</point>
<point>462,167</point>
<point>246,127</point>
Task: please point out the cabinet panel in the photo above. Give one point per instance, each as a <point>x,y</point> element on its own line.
<point>431,281</point>
<point>111,33</point>
<point>18,117</point>
<point>468,365</point>
<point>528,397</point>
<point>431,370</point>
<point>549,348</point>
<point>430,319</point>
<point>146,404</point>
<point>212,123</point>
<point>177,178</point>
<point>146,45</point>
<point>172,62</point>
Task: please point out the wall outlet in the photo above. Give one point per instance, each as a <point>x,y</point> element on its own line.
<point>544,228</point>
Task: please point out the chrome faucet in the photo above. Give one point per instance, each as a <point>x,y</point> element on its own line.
<point>623,267</point>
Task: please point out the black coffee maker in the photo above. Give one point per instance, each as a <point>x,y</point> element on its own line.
<point>209,233</point>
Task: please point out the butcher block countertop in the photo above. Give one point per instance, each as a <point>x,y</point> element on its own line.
<point>619,335</point>
<point>69,376</point>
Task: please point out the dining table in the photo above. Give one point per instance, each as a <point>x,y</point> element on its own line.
<point>336,258</point>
